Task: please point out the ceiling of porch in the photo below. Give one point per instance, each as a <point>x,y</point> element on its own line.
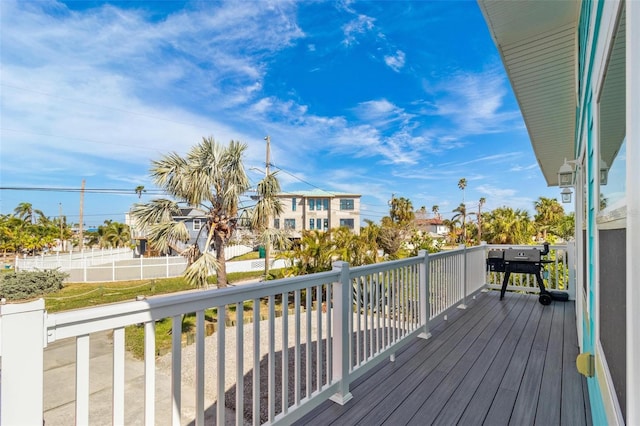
<point>538,44</point>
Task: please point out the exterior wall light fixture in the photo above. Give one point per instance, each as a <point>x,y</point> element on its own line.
<point>604,172</point>
<point>566,174</point>
<point>566,195</point>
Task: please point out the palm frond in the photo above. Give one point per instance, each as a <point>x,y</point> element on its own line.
<point>268,205</point>
<point>197,273</point>
<point>169,173</point>
<point>166,235</point>
<point>155,211</point>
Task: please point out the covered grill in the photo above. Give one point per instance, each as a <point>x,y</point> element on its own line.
<point>523,261</point>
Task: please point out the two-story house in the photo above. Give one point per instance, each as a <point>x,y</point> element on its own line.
<point>318,210</point>
<point>193,219</point>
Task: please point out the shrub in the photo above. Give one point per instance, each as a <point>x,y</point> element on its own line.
<point>27,284</point>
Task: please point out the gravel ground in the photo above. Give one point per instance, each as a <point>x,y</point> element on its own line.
<point>231,365</point>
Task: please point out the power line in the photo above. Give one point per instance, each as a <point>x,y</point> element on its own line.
<point>90,190</point>
<point>301,180</point>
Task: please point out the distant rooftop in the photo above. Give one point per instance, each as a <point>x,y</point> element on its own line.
<point>317,193</point>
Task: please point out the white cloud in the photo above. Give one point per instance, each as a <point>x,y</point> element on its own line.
<point>395,62</point>
<point>474,103</point>
<point>519,168</point>
<point>362,24</point>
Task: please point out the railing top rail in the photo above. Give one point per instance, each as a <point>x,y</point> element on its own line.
<point>84,321</point>
<point>447,253</point>
<point>385,266</point>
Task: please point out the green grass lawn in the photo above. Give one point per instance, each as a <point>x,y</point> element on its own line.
<point>83,295</point>
<point>252,255</point>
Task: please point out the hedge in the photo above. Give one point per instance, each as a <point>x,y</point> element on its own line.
<point>28,284</point>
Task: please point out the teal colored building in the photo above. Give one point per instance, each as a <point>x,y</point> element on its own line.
<point>574,67</point>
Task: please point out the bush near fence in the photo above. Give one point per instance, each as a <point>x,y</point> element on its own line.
<point>25,284</point>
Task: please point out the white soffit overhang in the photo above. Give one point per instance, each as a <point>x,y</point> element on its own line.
<point>537,40</point>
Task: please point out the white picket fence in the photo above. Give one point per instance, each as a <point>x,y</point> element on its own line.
<point>121,265</point>
<point>156,267</point>
<point>72,260</point>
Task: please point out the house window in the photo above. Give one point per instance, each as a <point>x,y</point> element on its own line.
<point>325,225</point>
<point>312,223</point>
<point>289,224</point>
<point>276,223</point>
<point>197,224</point>
<point>293,204</point>
<point>325,204</point>
<point>312,204</point>
<point>346,204</point>
<point>346,222</point>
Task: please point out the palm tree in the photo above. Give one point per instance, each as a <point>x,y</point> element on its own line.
<point>421,213</point>
<point>452,225</point>
<point>116,234</point>
<point>312,254</point>
<point>401,210</point>
<point>139,190</point>
<point>461,216</point>
<point>480,204</point>
<point>507,226</point>
<point>565,228</point>
<point>210,178</point>
<point>549,212</point>
<point>26,212</point>
<point>268,206</point>
<point>436,211</point>
<point>462,184</point>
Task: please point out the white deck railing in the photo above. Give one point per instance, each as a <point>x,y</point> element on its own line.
<point>276,363</point>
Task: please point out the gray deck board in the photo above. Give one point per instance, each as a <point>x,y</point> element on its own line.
<point>479,405</point>
<point>393,390</point>
<point>496,363</point>
<point>424,379</point>
<point>489,342</point>
<point>452,411</point>
<point>551,388</point>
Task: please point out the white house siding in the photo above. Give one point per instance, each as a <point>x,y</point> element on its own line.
<point>303,214</point>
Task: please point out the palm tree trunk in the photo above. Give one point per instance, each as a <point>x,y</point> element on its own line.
<point>221,269</point>
<point>267,254</point>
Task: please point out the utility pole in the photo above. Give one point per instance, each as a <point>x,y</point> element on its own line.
<point>267,248</point>
<point>81,236</point>
<point>60,219</point>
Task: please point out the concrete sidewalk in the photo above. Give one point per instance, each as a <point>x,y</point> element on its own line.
<point>59,386</point>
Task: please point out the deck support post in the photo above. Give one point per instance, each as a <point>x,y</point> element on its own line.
<point>22,340</point>
<point>424,294</point>
<point>341,334</point>
<point>463,305</point>
<point>571,262</point>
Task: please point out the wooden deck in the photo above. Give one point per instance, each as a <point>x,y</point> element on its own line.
<point>496,363</point>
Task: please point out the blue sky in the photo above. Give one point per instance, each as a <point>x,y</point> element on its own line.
<point>374,98</point>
